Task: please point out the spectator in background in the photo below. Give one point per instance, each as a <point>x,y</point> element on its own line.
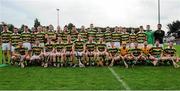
<point>159,34</point>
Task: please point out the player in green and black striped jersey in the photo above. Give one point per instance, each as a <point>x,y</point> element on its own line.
<point>60,55</point>
<point>26,38</point>
<point>65,34</point>
<point>79,47</point>
<point>108,37</point>
<point>40,36</point>
<point>141,36</point>
<point>20,54</point>
<point>92,32</point>
<point>90,51</point>
<point>37,53</point>
<point>125,37</point>
<point>132,38</point>
<point>15,38</point>
<point>169,55</point>
<point>59,33</point>
<point>69,51</point>
<point>156,52</point>
<point>48,53</point>
<point>137,55</point>
<point>6,41</point>
<point>102,53</point>
<point>74,33</point>
<point>113,53</point>
<point>83,34</point>
<point>51,34</point>
<point>99,35</point>
<point>116,36</point>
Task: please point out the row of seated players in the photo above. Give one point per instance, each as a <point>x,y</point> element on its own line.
<point>80,53</point>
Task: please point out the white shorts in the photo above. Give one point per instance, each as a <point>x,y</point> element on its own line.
<point>79,53</point>
<point>5,46</point>
<point>117,44</point>
<point>35,57</point>
<point>12,48</point>
<point>27,45</point>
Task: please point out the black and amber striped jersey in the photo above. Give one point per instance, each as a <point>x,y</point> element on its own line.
<point>84,36</point>
<point>141,37</point>
<point>36,50</point>
<point>101,47</point>
<point>15,38</point>
<point>108,37</point>
<point>40,36</point>
<point>21,50</point>
<point>64,36</point>
<point>99,35</point>
<point>125,37</point>
<point>132,38</point>
<point>74,36</point>
<point>90,46</point>
<point>136,51</point>
<point>79,45</point>
<point>169,51</point>
<point>116,37</point>
<point>113,50</point>
<point>68,46</point>
<point>6,36</point>
<point>59,47</point>
<point>26,37</point>
<point>49,47</point>
<point>156,51</point>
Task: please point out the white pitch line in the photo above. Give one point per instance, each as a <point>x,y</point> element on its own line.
<point>119,79</point>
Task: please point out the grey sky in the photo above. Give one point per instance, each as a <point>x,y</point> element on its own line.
<point>83,12</point>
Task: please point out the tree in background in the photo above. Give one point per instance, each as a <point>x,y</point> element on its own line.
<point>10,27</point>
<point>36,23</point>
<point>21,29</point>
<point>70,25</point>
<point>174,27</point>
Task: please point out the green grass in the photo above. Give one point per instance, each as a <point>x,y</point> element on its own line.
<point>90,78</point>
<point>93,78</point>
<point>57,78</point>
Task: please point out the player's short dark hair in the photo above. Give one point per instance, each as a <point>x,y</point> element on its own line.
<point>160,24</point>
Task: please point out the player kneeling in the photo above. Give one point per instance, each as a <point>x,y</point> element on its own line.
<point>169,55</point>
<point>123,54</point>
<point>137,55</point>
<point>37,53</point>
<point>20,55</point>
<point>102,54</point>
